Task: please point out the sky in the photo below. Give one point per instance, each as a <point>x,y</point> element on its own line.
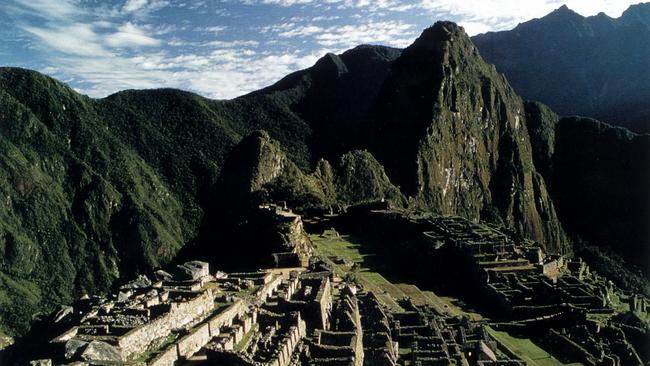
<point>225,48</point>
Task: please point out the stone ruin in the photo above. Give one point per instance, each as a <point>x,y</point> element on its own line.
<point>296,247</point>
<point>580,316</point>
<point>308,316</point>
<point>273,317</point>
<point>161,321</point>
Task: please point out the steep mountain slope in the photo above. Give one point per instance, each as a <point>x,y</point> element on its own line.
<point>594,66</point>
<point>98,189</point>
<point>334,97</point>
<point>78,205</point>
<point>452,133</point>
<point>598,176</point>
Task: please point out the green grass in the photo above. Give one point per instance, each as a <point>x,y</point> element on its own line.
<point>331,244</point>
<point>528,351</point>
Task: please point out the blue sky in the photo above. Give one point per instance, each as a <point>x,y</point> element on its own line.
<point>222,49</point>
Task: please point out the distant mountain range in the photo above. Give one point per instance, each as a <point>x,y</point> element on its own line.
<point>93,190</point>
<point>593,66</point>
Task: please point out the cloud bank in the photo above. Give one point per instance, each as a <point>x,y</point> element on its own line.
<point>228,48</point>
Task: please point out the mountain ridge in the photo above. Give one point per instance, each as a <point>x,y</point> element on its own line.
<point>603,60</point>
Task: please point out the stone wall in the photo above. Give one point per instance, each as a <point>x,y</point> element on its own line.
<point>267,290</point>
<point>191,343</point>
<point>225,317</point>
<point>324,300</point>
<point>179,315</point>
<point>289,343</point>
<point>166,358</point>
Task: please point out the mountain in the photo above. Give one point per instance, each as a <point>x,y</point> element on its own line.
<point>598,177</point>
<point>94,190</point>
<point>425,123</point>
<point>593,66</point>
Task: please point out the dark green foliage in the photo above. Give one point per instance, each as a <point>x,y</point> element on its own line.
<point>598,176</point>
<point>361,178</point>
<point>610,264</point>
<point>594,66</point>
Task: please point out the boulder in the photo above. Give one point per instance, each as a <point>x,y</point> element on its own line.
<point>141,282</point>
<point>163,276</point>
<point>43,362</point>
<point>74,347</point>
<point>63,313</point>
<point>193,270</point>
<point>101,351</point>
<point>125,295</point>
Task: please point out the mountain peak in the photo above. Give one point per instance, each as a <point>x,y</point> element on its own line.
<point>563,13</point>
<point>331,65</point>
<point>442,38</point>
<point>637,13</point>
<point>564,10</point>
<point>442,31</point>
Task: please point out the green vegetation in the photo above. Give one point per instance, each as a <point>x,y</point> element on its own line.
<point>612,266</point>
<point>338,249</point>
<point>528,351</point>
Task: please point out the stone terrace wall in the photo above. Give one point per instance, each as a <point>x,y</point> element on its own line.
<point>225,317</point>
<point>179,315</point>
<point>324,299</point>
<point>268,289</point>
<point>291,340</point>
<point>191,343</point>
<point>166,358</point>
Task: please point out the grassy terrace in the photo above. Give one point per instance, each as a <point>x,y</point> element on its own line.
<point>330,245</point>
<point>526,350</point>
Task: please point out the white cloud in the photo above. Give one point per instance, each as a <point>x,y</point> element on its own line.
<point>142,8</point>
<point>223,73</point>
<point>133,5</point>
<point>128,35</point>
<point>48,9</point>
<point>287,2</point>
<point>106,48</point>
<point>391,33</point>
<point>74,39</point>
<point>232,44</point>
<point>212,29</point>
<point>475,15</point>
